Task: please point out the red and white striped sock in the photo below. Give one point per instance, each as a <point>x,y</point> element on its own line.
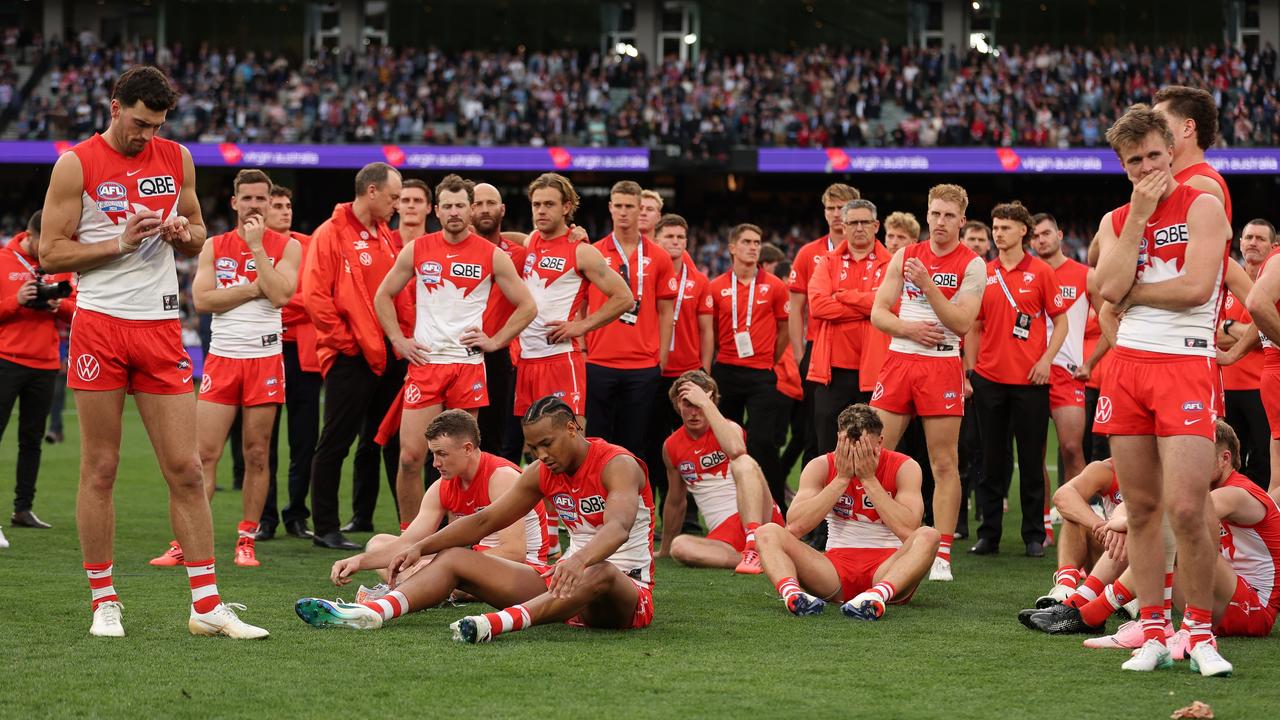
<point>1096,611</point>
<point>751,536</point>
<point>884,590</point>
<point>513,618</point>
<point>247,528</point>
<point>788,587</point>
<point>100,588</point>
<point>1067,575</point>
<point>944,547</point>
<point>204,585</point>
<point>1198,623</point>
<point>1168,599</point>
<point>1091,589</point>
<point>1152,618</point>
<point>1048,523</point>
<point>389,606</point>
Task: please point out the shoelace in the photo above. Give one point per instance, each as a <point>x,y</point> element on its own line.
<point>112,609</point>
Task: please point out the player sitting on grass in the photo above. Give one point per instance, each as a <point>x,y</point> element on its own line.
<point>877,551</point>
<point>470,480</point>
<point>604,580</point>
<point>707,457</point>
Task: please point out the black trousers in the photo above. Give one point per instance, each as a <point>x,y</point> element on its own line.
<point>32,389</point>
<point>970,457</point>
<point>1248,418</point>
<point>302,401</point>
<point>751,394</point>
<point>619,403</point>
<point>59,402</point>
<point>810,432</point>
<point>1023,412</point>
<point>356,400</point>
<point>1096,447</point>
<point>830,400</point>
<point>501,380</point>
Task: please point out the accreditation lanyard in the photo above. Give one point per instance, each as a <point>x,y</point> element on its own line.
<point>626,268</point>
<point>675,315</point>
<point>1008,295</point>
<point>751,294</point>
<point>1022,321</point>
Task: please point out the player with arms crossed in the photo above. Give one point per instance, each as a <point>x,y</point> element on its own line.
<point>707,457</point>
<point>940,284</point>
<point>458,271</point>
<point>604,580</point>
<point>877,551</point>
<point>1162,261</point>
<point>118,206</point>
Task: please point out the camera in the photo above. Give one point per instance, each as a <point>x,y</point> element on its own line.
<point>48,292</point>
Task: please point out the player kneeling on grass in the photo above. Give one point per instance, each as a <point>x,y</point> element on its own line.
<point>470,479</point>
<point>877,551</point>
<point>707,456</point>
<point>602,495</point>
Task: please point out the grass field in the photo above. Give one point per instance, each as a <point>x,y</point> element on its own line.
<point>720,645</point>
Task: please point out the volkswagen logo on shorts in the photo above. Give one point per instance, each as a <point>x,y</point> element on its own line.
<point>205,383</point>
<point>87,368</point>
<point>1104,410</point>
<point>879,392</point>
<point>412,394</point>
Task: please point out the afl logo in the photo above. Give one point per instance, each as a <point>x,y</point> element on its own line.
<point>112,197</point>
<point>87,368</point>
<point>1104,410</point>
<point>205,383</point>
<point>529,262</point>
<point>412,394</point>
<point>879,392</point>
<point>430,271</point>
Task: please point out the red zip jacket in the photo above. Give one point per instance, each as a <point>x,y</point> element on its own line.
<point>28,337</point>
<point>297,323</point>
<point>840,299</point>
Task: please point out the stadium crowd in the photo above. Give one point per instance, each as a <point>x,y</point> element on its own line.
<point>820,97</point>
<point>904,356</point>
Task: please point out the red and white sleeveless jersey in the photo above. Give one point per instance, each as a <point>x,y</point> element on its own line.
<point>142,285</point>
<point>1161,255</point>
<point>462,500</point>
<point>1205,169</point>
<point>252,329</point>
<point>500,309</point>
<point>455,284</point>
<point>959,269</point>
<point>704,468</point>
<point>580,500</point>
<point>1254,550</point>
<point>551,273</point>
<point>853,521</point>
<point>1072,280</point>
<point>1111,497</point>
<point>1271,352</point>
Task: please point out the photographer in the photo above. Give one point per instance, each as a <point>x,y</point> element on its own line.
<point>30,305</point>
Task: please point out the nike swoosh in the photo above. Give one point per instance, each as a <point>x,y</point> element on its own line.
<point>452,256</point>
<point>951,406</point>
<point>131,174</point>
<point>1152,224</point>
<point>475,399</point>
<point>273,393</point>
<point>1191,422</point>
<point>761,302</point>
<point>1023,290</point>
<point>186,379</point>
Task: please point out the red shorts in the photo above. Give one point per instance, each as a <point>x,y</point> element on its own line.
<point>641,617</point>
<point>563,375</point>
<point>857,569</point>
<point>453,385</point>
<point>920,385</point>
<point>1148,393</point>
<point>1246,616</point>
<point>731,531</point>
<point>243,381</point>
<point>1271,399</point>
<point>1064,389</point>
<point>109,353</point>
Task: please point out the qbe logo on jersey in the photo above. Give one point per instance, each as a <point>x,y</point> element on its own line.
<point>157,185</point>
<point>554,264</point>
<point>470,271</point>
<point>713,459</point>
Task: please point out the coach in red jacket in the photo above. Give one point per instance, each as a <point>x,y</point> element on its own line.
<point>28,357</point>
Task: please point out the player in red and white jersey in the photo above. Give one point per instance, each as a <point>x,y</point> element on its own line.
<point>1263,304</point>
<point>707,457</point>
<point>119,204</point>
<point>800,332</point>
<point>1162,259</point>
<point>413,207</point>
<point>625,357</point>
<point>557,272</point>
<point>244,277</point>
<point>470,480</point>
<point>487,214</point>
<point>600,491</point>
<point>1192,116</point>
<point>939,284</point>
<point>877,551</point>
<point>456,272</point>
<point>1066,389</point>
<point>1242,359</point>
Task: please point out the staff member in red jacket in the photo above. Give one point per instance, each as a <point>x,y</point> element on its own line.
<point>841,290</point>
<point>350,254</point>
<point>28,356</point>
